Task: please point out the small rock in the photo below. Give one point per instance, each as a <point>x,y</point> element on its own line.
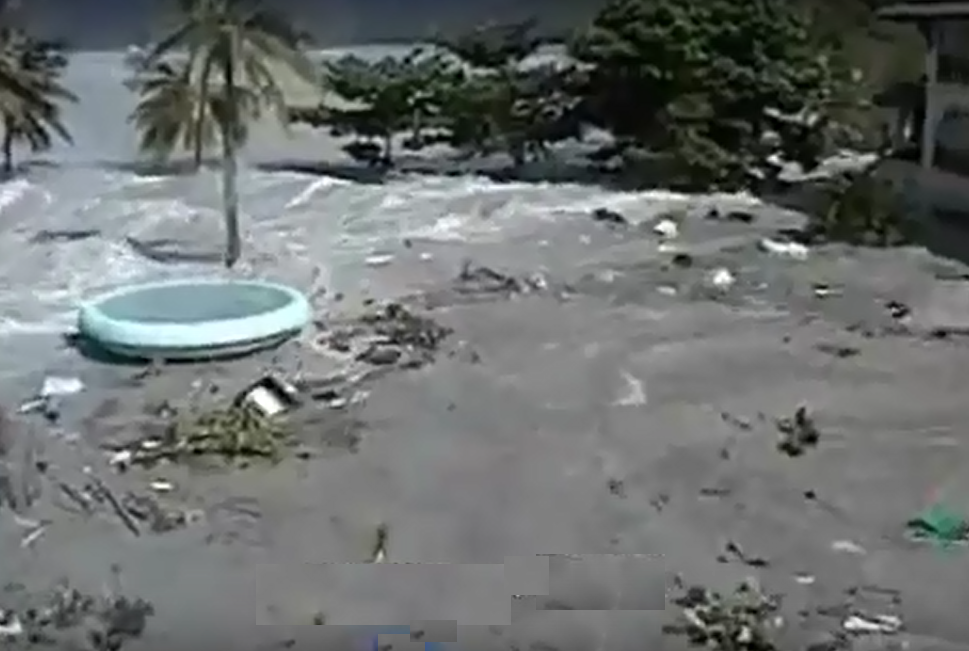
<point>380,355</point>
<point>607,216</point>
<point>683,260</point>
<point>898,310</point>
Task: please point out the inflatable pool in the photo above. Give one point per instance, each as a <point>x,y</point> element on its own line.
<point>193,319</point>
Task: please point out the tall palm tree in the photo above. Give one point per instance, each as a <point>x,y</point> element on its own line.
<point>31,93</point>
<point>235,51</point>
<point>171,114</point>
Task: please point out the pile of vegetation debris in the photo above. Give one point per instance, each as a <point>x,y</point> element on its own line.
<point>389,335</point>
<point>746,620</point>
<point>234,432</point>
<point>66,617</point>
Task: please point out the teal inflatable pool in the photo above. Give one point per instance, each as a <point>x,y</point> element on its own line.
<point>193,319</point>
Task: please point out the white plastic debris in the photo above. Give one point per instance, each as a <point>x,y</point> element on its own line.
<point>847,547</point>
<point>667,228</point>
<point>793,250</point>
<point>884,624</point>
<point>10,625</point>
<point>824,291</point>
<point>55,386</point>
<point>380,260</point>
<point>120,458</point>
<point>270,395</point>
<point>162,486</point>
<point>721,278</point>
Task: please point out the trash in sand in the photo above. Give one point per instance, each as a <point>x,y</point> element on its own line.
<point>939,524</point>
<point>720,279</point>
<point>55,386</point>
<point>51,390</point>
<point>733,551</point>
<point>746,620</point>
<point>872,624</point>
<point>847,547</point>
<point>379,552</point>
<point>269,395</point>
<point>162,486</point>
<point>10,625</point>
<point>667,228</point>
<point>898,310</point>
<point>798,433</point>
<point>379,260</point>
<point>794,250</point>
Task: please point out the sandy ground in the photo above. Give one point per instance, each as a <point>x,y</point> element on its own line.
<point>621,420</point>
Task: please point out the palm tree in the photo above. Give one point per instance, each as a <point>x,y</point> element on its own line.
<point>170,113</point>
<point>31,93</point>
<point>235,52</point>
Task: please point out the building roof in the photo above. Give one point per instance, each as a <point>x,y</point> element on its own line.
<point>914,10</point>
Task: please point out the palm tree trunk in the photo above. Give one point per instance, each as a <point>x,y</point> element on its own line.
<point>199,126</point>
<point>230,194</point>
<point>7,147</point>
<point>7,152</point>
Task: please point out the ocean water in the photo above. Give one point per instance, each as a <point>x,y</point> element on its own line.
<point>305,229</point>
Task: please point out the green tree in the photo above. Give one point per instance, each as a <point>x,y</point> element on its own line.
<point>498,103</point>
<point>233,48</point>
<point>715,86</point>
<point>31,98</point>
<point>382,99</point>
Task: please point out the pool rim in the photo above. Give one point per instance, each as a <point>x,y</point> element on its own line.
<point>206,335</point>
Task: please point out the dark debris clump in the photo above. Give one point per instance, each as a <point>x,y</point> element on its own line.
<point>798,433</point>
<point>66,617</point>
<point>388,336</point>
<point>741,621</point>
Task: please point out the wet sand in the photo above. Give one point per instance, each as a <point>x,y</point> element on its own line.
<point>621,418</point>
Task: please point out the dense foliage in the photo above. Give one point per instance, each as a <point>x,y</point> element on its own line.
<point>382,100</point>
<point>31,93</point>
<point>707,91</point>
<point>717,86</point>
